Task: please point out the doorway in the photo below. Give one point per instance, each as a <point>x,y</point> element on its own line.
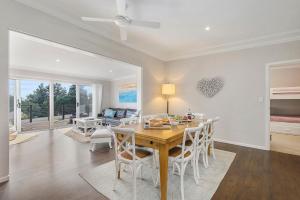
<point>284,107</point>
<point>51,83</point>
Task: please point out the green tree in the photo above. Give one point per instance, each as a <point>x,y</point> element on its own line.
<point>38,101</point>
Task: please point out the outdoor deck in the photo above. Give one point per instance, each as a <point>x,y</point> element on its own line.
<point>39,124</point>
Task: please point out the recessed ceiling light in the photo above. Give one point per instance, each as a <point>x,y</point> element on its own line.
<point>110,71</point>
<point>57,60</point>
<point>207,28</point>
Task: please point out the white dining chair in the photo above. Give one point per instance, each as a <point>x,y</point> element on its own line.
<point>129,155</point>
<point>210,137</point>
<point>181,156</point>
<point>199,117</point>
<point>201,147</point>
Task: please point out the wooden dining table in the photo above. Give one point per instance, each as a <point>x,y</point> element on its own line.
<point>163,141</point>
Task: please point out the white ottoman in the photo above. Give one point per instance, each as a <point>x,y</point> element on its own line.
<point>100,136</point>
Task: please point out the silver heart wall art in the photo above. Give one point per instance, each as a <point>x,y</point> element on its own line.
<point>209,87</point>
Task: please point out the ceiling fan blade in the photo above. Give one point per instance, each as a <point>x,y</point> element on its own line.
<point>121,7</point>
<point>123,33</point>
<point>94,19</point>
<point>145,24</point>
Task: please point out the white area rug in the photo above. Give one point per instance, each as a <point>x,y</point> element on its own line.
<point>102,178</point>
<point>75,135</point>
<point>23,137</point>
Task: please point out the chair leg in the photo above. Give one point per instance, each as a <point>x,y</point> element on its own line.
<point>110,146</point>
<point>141,171</point>
<point>213,149</point>
<point>155,174</point>
<point>92,147</point>
<point>134,183</point>
<point>118,165</point>
<point>173,168</point>
<point>195,169</point>
<point>206,155</point>
<point>204,158</point>
<point>182,170</point>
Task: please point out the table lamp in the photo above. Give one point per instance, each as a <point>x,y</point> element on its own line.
<point>168,90</point>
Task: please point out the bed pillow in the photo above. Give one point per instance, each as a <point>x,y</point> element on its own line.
<point>109,113</point>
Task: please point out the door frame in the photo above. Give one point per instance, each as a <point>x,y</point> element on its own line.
<point>268,67</point>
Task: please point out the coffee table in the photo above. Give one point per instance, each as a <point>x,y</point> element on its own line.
<point>87,124</point>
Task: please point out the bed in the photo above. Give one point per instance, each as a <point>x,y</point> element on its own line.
<point>285,110</point>
<point>285,124</point>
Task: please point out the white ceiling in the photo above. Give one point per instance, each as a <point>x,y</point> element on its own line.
<point>235,24</point>
<point>34,54</point>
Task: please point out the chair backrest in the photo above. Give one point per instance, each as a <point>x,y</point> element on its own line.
<point>214,121</point>
<point>211,126</point>
<point>191,134</point>
<point>198,116</point>
<point>128,121</point>
<point>127,136</point>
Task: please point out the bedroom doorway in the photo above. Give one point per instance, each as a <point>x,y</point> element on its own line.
<point>284,107</point>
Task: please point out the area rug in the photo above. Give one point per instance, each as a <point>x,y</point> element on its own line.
<point>102,177</point>
<point>24,137</point>
<point>75,135</point>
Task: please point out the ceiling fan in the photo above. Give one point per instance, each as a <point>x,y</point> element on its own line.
<point>122,20</point>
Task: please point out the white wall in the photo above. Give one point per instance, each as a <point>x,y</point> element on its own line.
<point>115,86</point>
<point>243,116</point>
<point>285,76</point>
<point>20,18</point>
<point>3,105</point>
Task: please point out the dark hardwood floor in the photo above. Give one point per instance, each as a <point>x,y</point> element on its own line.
<point>47,168</point>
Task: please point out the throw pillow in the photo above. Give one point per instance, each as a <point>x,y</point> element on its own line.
<point>109,113</point>
<point>120,114</point>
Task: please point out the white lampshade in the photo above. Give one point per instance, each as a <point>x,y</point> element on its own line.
<point>168,89</point>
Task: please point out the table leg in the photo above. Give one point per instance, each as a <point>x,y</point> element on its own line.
<point>163,160</point>
<point>85,129</point>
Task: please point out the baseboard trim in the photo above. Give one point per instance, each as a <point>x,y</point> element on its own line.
<point>241,144</point>
<point>4,179</point>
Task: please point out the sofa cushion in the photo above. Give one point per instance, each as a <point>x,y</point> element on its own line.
<point>109,113</point>
<point>131,113</point>
<point>112,122</point>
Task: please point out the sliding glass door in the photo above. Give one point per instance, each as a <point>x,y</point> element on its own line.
<point>34,105</point>
<point>64,104</point>
<point>85,101</point>
<point>30,100</point>
<point>12,104</point>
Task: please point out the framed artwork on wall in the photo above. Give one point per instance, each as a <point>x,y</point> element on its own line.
<point>128,93</point>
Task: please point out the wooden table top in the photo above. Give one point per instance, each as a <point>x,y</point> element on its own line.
<point>161,136</point>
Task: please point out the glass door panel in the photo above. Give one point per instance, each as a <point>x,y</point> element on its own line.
<point>34,105</point>
<point>12,104</point>
<point>85,100</point>
<point>64,104</point>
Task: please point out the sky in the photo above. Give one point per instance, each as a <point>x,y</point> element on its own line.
<point>28,86</point>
